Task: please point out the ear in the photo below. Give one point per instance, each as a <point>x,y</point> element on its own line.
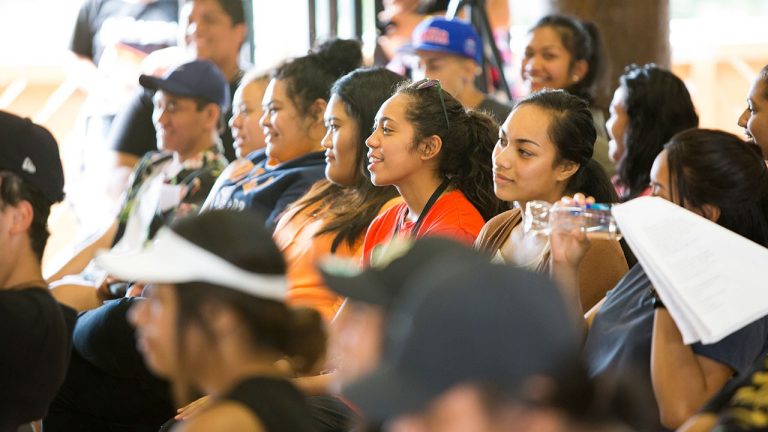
<point>566,169</point>
<point>580,70</point>
<point>212,113</point>
<point>317,109</point>
<point>710,211</point>
<point>242,32</point>
<point>21,217</point>
<point>429,147</point>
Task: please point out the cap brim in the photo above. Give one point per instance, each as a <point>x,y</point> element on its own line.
<point>173,259</point>
<point>414,49</point>
<point>155,83</point>
<point>385,394</point>
<point>360,286</point>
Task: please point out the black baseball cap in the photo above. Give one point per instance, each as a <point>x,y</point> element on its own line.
<point>30,151</point>
<point>383,282</point>
<point>197,79</point>
<point>485,323</point>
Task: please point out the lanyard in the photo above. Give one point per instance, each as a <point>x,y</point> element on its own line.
<point>431,202</point>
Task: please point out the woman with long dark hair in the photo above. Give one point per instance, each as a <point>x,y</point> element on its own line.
<point>544,152</point>
<point>437,155</point>
<point>332,217</point>
<point>649,107</point>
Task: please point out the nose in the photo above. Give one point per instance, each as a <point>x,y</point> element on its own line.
<point>160,116</point>
<point>372,141</point>
<point>236,121</point>
<point>264,119</point>
<point>500,158</point>
<point>326,142</point>
<point>742,122</point>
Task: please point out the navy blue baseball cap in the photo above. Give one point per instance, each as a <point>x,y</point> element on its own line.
<point>30,151</point>
<point>449,36</point>
<point>197,79</point>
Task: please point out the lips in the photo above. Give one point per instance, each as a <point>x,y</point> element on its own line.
<point>373,160</point>
<point>329,157</point>
<point>501,179</point>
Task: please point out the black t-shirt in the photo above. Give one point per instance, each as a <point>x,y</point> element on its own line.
<point>742,404</point>
<point>134,133</point>
<point>135,25</point>
<point>275,402</point>
<point>36,341</point>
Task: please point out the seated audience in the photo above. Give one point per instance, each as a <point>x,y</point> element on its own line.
<point>35,331</point>
<point>563,52</point>
<point>175,180</point>
<point>293,104</point>
<point>544,151</point>
<point>437,155</point>
<point>754,119</point>
<point>451,52</point>
<point>649,107</point>
<point>332,217</point>
<point>216,322</point>
<point>630,333</point>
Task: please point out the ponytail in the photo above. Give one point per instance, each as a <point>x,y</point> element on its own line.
<point>591,180</point>
<point>475,178</point>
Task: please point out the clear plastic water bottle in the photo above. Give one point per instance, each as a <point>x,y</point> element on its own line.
<point>541,218</point>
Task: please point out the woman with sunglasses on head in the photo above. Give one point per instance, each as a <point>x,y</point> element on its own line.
<point>293,104</point>
<point>437,155</point>
<point>649,107</point>
<point>215,322</point>
<point>630,334</point>
<point>332,217</point>
<point>544,151</point>
<point>563,52</point>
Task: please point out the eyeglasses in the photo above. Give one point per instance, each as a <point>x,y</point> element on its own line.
<point>429,83</point>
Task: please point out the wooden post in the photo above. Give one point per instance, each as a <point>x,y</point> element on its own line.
<point>632,32</point>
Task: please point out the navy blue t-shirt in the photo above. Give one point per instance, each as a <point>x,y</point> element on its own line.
<point>618,345</point>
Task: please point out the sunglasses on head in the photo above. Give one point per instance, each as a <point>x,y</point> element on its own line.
<point>429,83</point>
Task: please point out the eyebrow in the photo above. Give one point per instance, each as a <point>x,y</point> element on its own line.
<point>526,141</point>
<point>389,119</point>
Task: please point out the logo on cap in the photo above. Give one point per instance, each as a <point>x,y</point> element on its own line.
<point>28,166</point>
<point>436,36</point>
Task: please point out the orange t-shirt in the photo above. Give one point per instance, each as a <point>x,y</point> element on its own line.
<point>295,237</point>
<point>452,216</point>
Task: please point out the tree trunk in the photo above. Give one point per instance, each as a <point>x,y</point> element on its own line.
<point>632,32</point>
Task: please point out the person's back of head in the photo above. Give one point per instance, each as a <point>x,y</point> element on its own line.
<point>573,132</point>
<point>658,106</point>
<point>467,140</point>
<point>30,171</point>
<point>715,168</point>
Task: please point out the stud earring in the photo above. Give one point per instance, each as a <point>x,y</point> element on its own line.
<point>575,77</point>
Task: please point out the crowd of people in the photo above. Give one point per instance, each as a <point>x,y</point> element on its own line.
<point>353,252</point>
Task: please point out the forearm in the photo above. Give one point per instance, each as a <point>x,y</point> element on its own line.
<point>85,254</point>
<point>679,381</point>
<point>566,276</point>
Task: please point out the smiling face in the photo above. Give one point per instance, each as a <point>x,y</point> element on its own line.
<point>547,63</point>
<point>155,319</point>
<point>286,130</point>
<point>210,33</point>
<point>754,119</point>
<point>246,113</point>
<point>617,125</point>
<point>340,143</point>
<point>181,127</point>
<point>392,157</point>
<point>524,167</point>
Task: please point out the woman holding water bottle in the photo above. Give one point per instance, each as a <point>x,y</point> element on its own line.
<point>544,152</point>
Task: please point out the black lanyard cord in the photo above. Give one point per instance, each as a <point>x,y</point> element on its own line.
<point>431,202</point>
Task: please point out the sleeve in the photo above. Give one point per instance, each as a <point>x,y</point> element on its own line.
<point>740,349</point>
<point>133,131</point>
<point>82,37</point>
<point>723,398</point>
<point>295,191</point>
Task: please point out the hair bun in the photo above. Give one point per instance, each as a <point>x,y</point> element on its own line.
<point>339,56</point>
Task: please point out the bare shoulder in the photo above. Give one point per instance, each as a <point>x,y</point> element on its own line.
<point>222,416</point>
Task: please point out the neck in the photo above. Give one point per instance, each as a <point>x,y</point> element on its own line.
<point>25,270</point>
<point>417,192</point>
<point>471,97</point>
<point>229,68</point>
<point>223,375</point>
<point>201,146</point>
